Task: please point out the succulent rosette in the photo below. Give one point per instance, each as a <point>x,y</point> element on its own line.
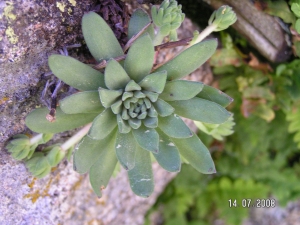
<point>135,111</point>
<point>168,18</point>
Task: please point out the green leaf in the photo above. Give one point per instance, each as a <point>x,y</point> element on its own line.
<point>215,95</point>
<point>141,176</point>
<point>109,97</point>
<point>201,110</point>
<point>163,108</point>
<point>168,156</point>
<point>195,152</point>
<point>88,150</point>
<point>37,122</point>
<point>132,86</point>
<point>122,125</point>
<point>75,73</point>
<point>280,9</point>
<point>134,123</point>
<point>138,20</point>
<point>147,138</point>
<point>140,57</point>
<point>82,102</point>
<point>117,107</point>
<point>297,26</point>
<point>150,122</point>
<point>99,38</point>
<point>103,168</point>
<point>125,150</point>
<point>174,126</point>
<point>103,125</point>
<point>55,156</point>
<point>154,82</point>
<point>296,8</point>
<point>189,60</point>
<point>181,90</point>
<point>115,76</point>
<point>151,95</point>
<point>38,165</point>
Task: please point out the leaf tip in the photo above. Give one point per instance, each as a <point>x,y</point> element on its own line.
<point>212,170</point>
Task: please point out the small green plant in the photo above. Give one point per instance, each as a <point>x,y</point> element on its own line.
<point>129,109</point>
<point>217,131</point>
<point>295,7</point>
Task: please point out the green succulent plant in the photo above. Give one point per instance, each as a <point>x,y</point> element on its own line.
<point>168,17</point>
<point>222,18</point>
<point>130,110</point>
<point>23,147</point>
<point>217,131</point>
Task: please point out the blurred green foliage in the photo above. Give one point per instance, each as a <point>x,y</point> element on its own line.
<point>260,160</point>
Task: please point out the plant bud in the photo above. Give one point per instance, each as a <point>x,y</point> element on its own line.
<point>55,156</point>
<point>46,138</point>
<point>19,147</point>
<point>222,18</point>
<point>38,165</point>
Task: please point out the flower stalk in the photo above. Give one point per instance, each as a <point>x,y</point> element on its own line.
<point>76,137</point>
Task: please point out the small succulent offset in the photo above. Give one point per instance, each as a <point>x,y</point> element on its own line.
<point>168,19</point>
<point>217,131</point>
<point>131,110</point>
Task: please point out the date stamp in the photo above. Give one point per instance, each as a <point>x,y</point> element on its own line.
<point>252,203</point>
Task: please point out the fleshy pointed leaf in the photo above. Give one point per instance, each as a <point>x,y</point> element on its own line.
<point>82,102</point>
<point>117,107</point>
<point>195,152</point>
<point>138,20</point>
<point>103,168</point>
<point>163,108</point>
<point>109,97</point>
<point>201,110</point>
<point>123,125</point>
<point>151,122</point>
<point>147,138</point>
<point>141,176</point>
<point>115,76</point>
<point>99,38</point>
<point>215,95</point>
<point>140,57</point>
<point>132,86</point>
<point>154,82</point>
<point>134,123</point>
<point>103,125</point>
<point>174,126</point>
<point>168,156</point>
<point>88,150</point>
<point>181,90</point>
<point>189,60</point>
<point>151,95</point>
<point>37,122</point>
<point>125,150</point>
<point>75,73</point>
